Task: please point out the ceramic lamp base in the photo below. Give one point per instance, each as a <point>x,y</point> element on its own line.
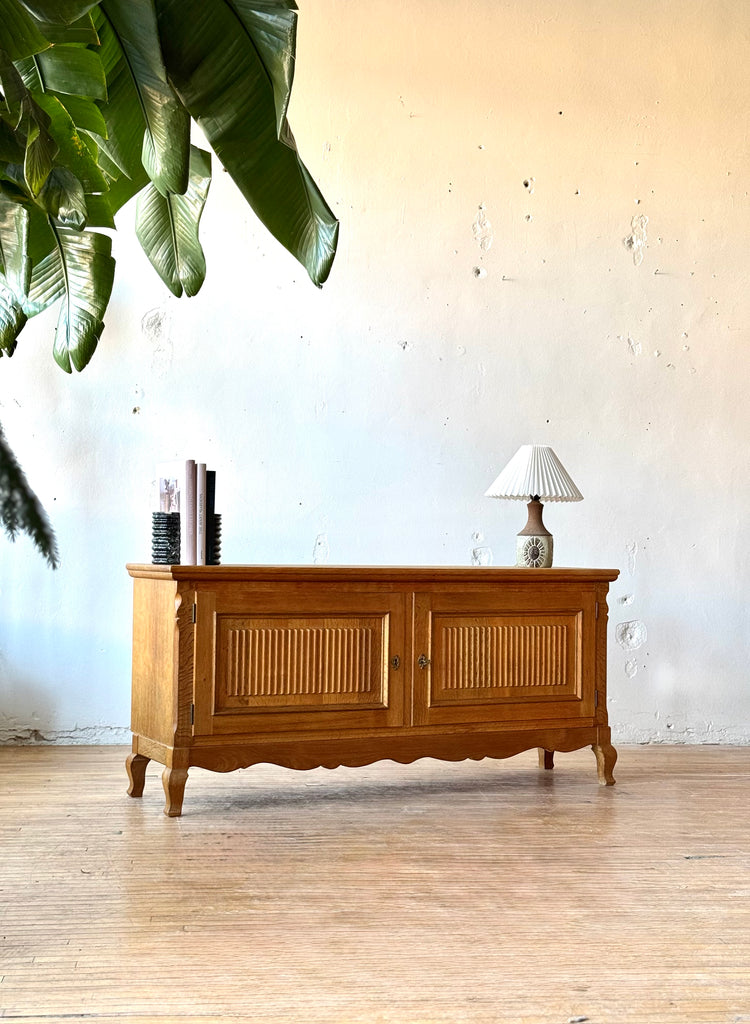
<point>534,542</point>
<point>534,552</point>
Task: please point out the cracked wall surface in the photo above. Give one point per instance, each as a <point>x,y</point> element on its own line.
<point>545,248</point>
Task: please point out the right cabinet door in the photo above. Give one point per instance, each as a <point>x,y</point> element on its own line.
<point>523,657</point>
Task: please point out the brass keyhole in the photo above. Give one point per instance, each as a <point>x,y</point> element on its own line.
<point>395,662</point>
<point>423,661</point>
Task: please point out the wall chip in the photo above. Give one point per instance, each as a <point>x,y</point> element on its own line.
<point>637,239</point>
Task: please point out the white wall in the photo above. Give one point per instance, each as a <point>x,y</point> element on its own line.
<point>377,411</point>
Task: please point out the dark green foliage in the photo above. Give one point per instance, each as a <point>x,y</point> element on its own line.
<point>19,506</point>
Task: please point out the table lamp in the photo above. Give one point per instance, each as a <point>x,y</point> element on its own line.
<point>534,474</point>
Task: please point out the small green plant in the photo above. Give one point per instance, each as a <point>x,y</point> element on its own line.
<point>96,104</point>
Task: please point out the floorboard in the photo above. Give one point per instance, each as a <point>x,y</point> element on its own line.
<point>485,892</point>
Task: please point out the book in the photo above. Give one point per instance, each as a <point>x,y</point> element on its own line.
<point>177,487</point>
<point>200,513</point>
<point>211,537</point>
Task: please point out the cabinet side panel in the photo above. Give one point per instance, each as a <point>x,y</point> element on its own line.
<point>154,695</point>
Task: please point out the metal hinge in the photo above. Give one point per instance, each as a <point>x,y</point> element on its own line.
<point>192,714</point>
<point>195,613</point>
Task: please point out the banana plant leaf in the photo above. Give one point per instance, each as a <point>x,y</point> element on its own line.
<point>220,78</point>
<point>20,509</point>
<point>19,33</point>
<point>79,31</point>
<point>41,148</point>
<point>167,228</point>
<point>89,274</point>
<point>83,113</point>
<point>122,113</point>
<point>12,318</point>
<point>76,151</point>
<point>80,269</point>
<point>30,125</point>
<point>14,90</point>
<point>59,12</point>
<point>15,263</point>
<point>166,142</point>
<point>63,198</point>
<point>272,26</point>
<point>11,151</point>
<point>74,70</point>
<point>15,272</point>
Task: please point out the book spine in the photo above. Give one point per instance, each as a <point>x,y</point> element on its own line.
<point>200,516</point>
<point>190,525</point>
<point>210,521</point>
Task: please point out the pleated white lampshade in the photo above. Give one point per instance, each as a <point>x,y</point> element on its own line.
<point>534,472</point>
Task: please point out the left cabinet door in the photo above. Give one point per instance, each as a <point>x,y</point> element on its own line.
<point>300,657</point>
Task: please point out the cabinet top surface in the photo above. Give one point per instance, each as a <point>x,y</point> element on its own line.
<point>368,573</point>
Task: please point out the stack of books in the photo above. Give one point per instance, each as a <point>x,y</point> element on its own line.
<point>190,488</point>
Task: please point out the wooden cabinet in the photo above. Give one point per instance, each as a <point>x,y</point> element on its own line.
<point>308,667</point>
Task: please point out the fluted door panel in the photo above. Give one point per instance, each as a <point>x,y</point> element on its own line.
<point>300,663</point>
<point>503,658</point>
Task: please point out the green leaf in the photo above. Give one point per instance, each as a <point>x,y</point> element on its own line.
<point>14,246</point>
<point>166,143</point>
<point>99,213</point>
<point>72,70</point>
<point>15,275</point>
<point>122,112</point>
<point>122,189</point>
<point>80,31</point>
<point>85,264</point>
<point>12,318</point>
<point>41,240</point>
<point>84,113</point>
<point>20,509</point>
<point>41,243</point>
<point>47,283</point>
<point>11,150</point>
<point>31,127</point>
<point>222,81</point>
<point>14,88</point>
<point>62,197</point>
<point>76,152</point>
<point>167,228</point>
<point>272,26</point>
<point>59,12</point>
<point>19,34</point>
<point>41,149</point>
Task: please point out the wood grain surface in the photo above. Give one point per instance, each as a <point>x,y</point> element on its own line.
<point>433,893</point>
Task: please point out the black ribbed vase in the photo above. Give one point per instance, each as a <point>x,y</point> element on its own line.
<point>165,538</point>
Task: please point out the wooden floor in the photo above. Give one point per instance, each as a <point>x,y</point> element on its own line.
<point>486,892</point>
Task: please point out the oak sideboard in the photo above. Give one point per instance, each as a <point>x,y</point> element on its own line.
<point>325,666</point>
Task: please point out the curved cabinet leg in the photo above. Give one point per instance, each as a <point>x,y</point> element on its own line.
<point>546,758</point>
<point>135,765</point>
<point>173,780</point>
<point>606,756</point>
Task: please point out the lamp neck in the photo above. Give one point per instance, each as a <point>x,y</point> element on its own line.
<point>535,527</point>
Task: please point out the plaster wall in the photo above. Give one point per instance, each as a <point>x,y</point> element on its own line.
<point>545,225</point>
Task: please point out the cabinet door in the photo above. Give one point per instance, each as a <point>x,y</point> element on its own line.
<point>517,656</point>
<point>268,661</point>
